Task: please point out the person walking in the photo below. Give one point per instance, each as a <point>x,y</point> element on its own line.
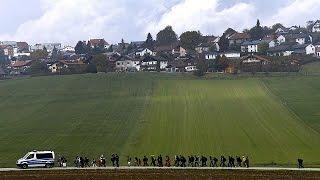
<point>145,161</point>
<point>300,163</point>
<point>238,159</point>
<point>160,161</point>
<point>153,161</point>
<point>117,159</point>
<point>129,161</point>
<point>223,161</point>
<point>168,162</point>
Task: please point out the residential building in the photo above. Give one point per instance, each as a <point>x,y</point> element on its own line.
<point>281,30</point>
<point>9,43</point>
<point>144,51</point>
<point>58,66</point>
<point>68,49</point>
<point>318,51</point>
<point>211,55</point>
<point>98,43</point>
<point>23,47</point>
<point>237,39</point>
<point>203,48</point>
<point>310,49</point>
<point>254,63</point>
<point>281,50</point>
<point>20,67</point>
<point>231,54</point>
<point>48,46</point>
<point>8,50</point>
<point>180,51</point>
<point>127,64</point>
<point>153,63</point>
<point>316,26</point>
<point>251,46</point>
<point>281,39</point>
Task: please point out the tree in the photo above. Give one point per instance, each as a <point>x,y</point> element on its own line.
<point>190,39</point>
<point>55,55</point>
<point>101,62</point>
<point>221,63</point>
<point>277,26</point>
<point>110,49</point>
<point>81,48</point>
<point>223,43</point>
<point>202,68</point>
<point>166,36</point>
<point>256,32</point>
<point>263,48</point>
<point>149,43</point>
<point>38,68</point>
<point>310,25</point>
<point>91,68</point>
<point>39,54</point>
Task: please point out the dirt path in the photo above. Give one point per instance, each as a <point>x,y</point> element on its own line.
<point>153,173</point>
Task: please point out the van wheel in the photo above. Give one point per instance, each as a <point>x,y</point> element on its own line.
<point>24,166</point>
<point>49,165</point>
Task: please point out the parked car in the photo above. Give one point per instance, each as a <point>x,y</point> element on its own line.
<point>37,159</point>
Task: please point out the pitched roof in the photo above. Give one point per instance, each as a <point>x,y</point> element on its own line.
<point>21,63</point>
<point>261,58</point>
<point>255,42</point>
<point>153,58</point>
<point>97,42</point>
<point>78,62</point>
<point>280,48</point>
<point>237,36</point>
<point>23,45</point>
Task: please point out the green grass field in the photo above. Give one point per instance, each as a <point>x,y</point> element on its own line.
<point>270,120</point>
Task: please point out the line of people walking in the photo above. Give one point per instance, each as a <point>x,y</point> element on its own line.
<point>190,161</point>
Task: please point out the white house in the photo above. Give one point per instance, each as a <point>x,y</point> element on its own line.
<point>17,53</point>
<point>231,54</point>
<point>125,64</point>
<point>281,39</point>
<point>251,46</point>
<point>48,46</point>
<point>68,49</point>
<point>150,63</point>
<point>310,49</point>
<point>144,51</point>
<point>211,56</point>
<point>318,51</point>
<point>272,43</point>
<point>281,30</point>
<point>316,26</point>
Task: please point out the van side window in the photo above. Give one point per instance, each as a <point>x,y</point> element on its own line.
<point>30,156</point>
<point>44,156</point>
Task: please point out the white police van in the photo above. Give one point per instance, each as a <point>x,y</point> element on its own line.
<point>37,159</point>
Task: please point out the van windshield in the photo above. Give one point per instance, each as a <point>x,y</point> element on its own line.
<point>30,156</point>
<point>25,156</point>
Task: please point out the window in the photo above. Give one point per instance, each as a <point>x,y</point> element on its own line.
<point>118,64</point>
<point>30,156</point>
<point>44,156</point>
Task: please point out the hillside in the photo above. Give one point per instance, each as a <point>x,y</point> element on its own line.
<point>145,114</point>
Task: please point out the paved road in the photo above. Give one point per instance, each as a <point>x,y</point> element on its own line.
<point>164,168</point>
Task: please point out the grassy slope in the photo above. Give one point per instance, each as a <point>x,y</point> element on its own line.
<point>90,114</point>
<point>312,68</point>
<point>224,117</point>
<point>150,114</point>
<point>301,95</point>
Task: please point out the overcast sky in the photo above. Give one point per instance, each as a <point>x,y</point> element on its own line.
<point>68,21</point>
